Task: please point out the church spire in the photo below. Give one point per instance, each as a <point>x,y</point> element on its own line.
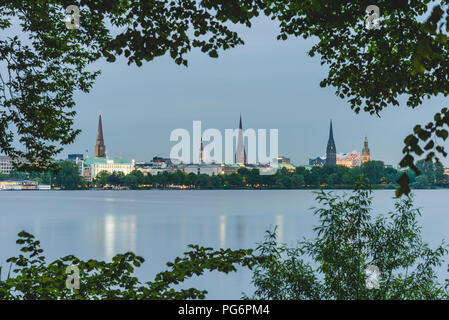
<point>331,133</point>
<point>331,151</point>
<point>365,151</point>
<point>240,154</point>
<point>202,151</point>
<point>100,148</point>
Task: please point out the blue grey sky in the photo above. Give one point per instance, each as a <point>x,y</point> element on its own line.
<point>273,84</point>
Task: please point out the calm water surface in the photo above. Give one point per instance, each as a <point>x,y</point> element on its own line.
<point>159,225</point>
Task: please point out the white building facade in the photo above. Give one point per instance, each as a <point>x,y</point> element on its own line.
<point>6,164</point>
<point>91,167</point>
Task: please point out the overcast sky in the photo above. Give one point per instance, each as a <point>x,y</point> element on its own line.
<point>273,84</point>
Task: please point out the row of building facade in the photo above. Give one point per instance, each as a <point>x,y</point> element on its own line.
<point>90,167</point>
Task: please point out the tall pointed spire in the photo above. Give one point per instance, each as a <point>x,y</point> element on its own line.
<point>240,154</point>
<point>331,133</point>
<point>331,151</point>
<point>202,151</point>
<point>100,148</point>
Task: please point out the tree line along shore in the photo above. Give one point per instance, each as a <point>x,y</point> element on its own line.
<point>329,176</point>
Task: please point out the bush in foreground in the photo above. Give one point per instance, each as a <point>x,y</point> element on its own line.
<point>32,278</point>
<point>348,240</point>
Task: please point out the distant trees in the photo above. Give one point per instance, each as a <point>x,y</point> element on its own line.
<point>329,176</point>
<point>132,180</point>
<point>102,178</point>
<point>373,171</point>
<point>15,174</point>
<point>432,174</point>
<point>68,176</point>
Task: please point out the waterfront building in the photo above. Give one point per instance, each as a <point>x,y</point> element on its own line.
<point>160,160</point>
<point>284,162</point>
<point>10,185</point>
<point>156,166</point>
<point>331,151</point>
<point>154,170</point>
<point>90,167</point>
<point>231,168</point>
<point>75,156</point>
<point>82,170</point>
<point>93,166</point>
<point>7,164</point>
<point>350,160</point>
<point>365,152</point>
<point>100,148</point>
<point>240,154</point>
<point>209,169</point>
<point>23,185</point>
<point>317,162</point>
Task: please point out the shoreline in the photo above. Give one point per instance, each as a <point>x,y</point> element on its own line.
<point>211,189</point>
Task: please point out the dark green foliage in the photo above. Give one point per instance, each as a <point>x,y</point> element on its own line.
<point>32,278</point>
<point>373,171</point>
<point>102,178</point>
<point>68,176</point>
<point>370,68</point>
<point>432,175</point>
<point>318,177</point>
<point>45,62</point>
<point>134,179</point>
<point>348,239</point>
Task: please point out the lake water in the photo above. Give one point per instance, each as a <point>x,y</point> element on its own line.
<point>159,225</point>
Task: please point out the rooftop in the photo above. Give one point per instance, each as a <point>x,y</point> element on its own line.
<point>89,161</point>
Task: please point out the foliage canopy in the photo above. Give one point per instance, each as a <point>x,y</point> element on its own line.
<point>42,62</point>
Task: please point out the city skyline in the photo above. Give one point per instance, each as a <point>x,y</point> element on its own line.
<point>272,84</point>
<point>240,144</point>
<point>224,151</point>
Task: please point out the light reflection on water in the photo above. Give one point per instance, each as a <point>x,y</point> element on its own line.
<point>223,232</point>
<point>159,225</point>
